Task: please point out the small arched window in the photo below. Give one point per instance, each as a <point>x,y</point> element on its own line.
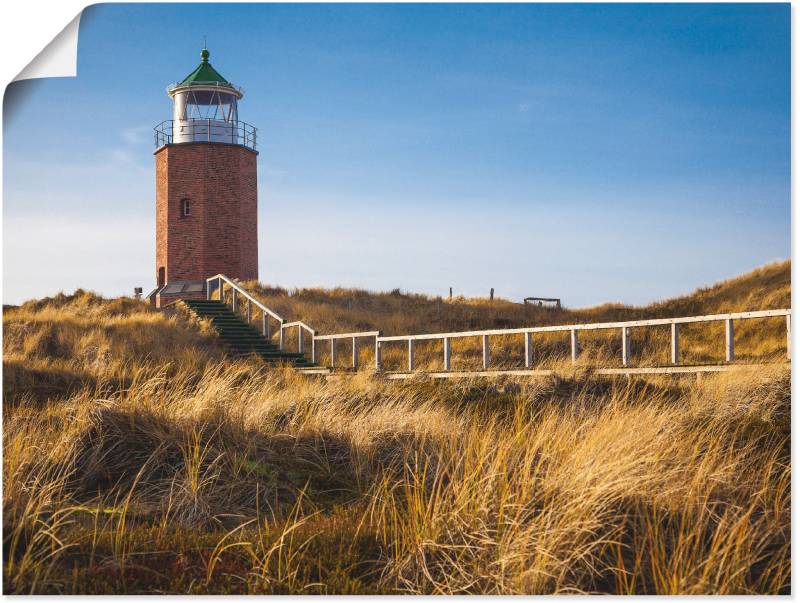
<point>186,208</point>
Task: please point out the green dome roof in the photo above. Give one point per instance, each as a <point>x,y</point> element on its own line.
<point>204,74</point>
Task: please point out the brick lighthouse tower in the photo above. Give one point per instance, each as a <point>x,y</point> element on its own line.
<point>206,198</point>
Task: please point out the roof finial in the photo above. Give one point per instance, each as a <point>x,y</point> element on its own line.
<point>204,54</point>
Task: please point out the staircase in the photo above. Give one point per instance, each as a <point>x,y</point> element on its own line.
<point>241,338</point>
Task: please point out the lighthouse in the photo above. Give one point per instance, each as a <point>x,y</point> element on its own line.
<point>206,195</point>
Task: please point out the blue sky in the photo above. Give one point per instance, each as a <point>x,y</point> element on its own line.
<point>589,152</point>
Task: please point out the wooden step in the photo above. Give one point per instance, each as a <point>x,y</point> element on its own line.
<point>242,339</point>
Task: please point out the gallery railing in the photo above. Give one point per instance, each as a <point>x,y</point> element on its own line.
<point>173,131</point>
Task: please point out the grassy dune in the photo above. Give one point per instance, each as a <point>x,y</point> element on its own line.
<point>137,459</point>
<point>396,313</point>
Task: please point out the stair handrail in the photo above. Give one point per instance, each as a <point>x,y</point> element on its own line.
<point>299,323</point>
<point>300,339</point>
<point>251,301</point>
<point>221,277</point>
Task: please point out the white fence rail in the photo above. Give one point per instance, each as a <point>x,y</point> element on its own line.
<point>220,280</point>
<point>301,328</point>
<point>528,333</point>
<point>355,344</point>
<point>624,327</point>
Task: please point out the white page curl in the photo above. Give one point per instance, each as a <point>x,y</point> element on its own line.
<point>59,58</point>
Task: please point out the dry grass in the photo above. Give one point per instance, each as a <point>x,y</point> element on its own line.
<point>59,345</point>
<point>397,313</point>
<point>138,460</point>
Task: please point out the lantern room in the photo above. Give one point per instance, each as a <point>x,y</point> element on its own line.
<point>205,109</point>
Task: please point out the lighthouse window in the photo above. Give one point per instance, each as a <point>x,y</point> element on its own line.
<point>186,207</point>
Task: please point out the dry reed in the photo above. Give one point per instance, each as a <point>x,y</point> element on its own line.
<point>137,459</point>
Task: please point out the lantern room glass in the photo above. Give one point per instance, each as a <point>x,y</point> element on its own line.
<point>219,105</point>
<point>205,114</point>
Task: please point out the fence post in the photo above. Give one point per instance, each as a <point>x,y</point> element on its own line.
<point>264,324</point>
<point>333,352</point>
<point>528,350</point>
<point>675,349</point>
<point>378,353</point>
<point>446,353</point>
<point>249,311</point>
<point>486,351</point>
<point>300,338</point>
<point>355,353</point>
<point>789,336</point>
<point>282,338</point>
<point>410,355</point>
<point>626,346</point>
<point>221,293</point>
<point>573,338</point>
<point>729,352</point>
<point>208,290</point>
<point>313,349</point>
<point>233,300</point>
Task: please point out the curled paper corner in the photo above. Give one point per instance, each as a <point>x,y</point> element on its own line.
<point>59,58</point>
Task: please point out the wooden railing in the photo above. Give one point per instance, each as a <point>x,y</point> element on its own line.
<point>625,328</point>
<point>220,280</point>
<point>301,327</point>
<point>354,337</point>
